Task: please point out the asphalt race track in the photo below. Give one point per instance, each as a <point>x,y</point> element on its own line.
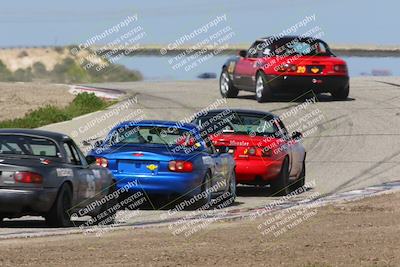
<point>350,144</point>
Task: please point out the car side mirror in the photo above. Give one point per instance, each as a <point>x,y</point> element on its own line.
<point>85,143</point>
<point>242,53</point>
<point>297,135</point>
<point>90,159</point>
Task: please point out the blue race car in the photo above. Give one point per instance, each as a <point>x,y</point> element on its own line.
<point>167,159</point>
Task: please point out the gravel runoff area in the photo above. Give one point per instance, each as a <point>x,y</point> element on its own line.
<point>361,233</point>
<point>16,99</point>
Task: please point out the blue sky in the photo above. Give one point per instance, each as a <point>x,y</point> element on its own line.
<point>49,22</point>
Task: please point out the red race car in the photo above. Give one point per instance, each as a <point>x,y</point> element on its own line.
<point>264,151</point>
<point>290,64</point>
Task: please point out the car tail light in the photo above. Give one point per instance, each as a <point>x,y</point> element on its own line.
<point>251,151</point>
<point>28,177</point>
<point>102,162</point>
<point>340,68</point>
<point>286,68</point>
<point>266,152</point>
<point>180,166</point>
<point>259,152</point>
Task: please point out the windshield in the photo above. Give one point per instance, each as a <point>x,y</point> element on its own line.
<point>236,123</point>
<point>27,145</point>
<point>170,136</point>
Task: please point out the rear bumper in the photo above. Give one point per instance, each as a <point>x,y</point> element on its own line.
<point>26,201</point>
<point>188,184</point>
<point>257,171</point>
<point>302,84</point>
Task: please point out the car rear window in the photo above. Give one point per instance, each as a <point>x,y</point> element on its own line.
<point>237,123</point>
<point>154,135</point>
<point>300,47</point>
<point>289,47</point>
<point>27,145</point>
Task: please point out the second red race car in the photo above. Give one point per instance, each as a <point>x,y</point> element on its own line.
<point>264,151</point>
<point>290,64</point>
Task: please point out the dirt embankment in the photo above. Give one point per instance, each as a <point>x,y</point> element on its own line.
<point>22,58</point>
<point>363,233</point>
<point>16,99</point>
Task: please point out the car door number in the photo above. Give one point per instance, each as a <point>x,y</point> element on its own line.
<point>91,186</point>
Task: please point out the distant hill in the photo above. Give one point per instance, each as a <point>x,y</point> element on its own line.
<point>59,65</point>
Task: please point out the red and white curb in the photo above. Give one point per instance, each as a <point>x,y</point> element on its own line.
<point>230,215</point>
<point>238,214</point>
<point>106,93</point>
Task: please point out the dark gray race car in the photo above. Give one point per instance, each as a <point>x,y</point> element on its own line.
<point>44,173</point>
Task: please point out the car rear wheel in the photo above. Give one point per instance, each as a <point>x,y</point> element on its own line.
<point>226,86</point>
<point>263,91</point>
<point>59,214</point>
<point>342,93</point>
<point>280,187</point>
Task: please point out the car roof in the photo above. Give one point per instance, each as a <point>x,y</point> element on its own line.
<point>243,111</point>
<point>158,123</point>
<point>52,135</point>
<point>286,38</point>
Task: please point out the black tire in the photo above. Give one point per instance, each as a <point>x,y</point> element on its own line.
<point>263,91</point>
<point>280,186</point>
<point>226,87</point>
<point>302,178</point>
<point>109,209</point>
<point>206,185</point>
<point>342,93</point>
<point>232,187</point>
<point>60,213</point>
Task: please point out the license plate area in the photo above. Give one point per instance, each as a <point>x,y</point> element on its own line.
<point>138,166</point>
<point>315,69</point>
<point>6,178</point>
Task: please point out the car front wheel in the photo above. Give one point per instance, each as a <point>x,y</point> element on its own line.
<point>302,178</point>
<point>226,85</point>
<point>232,187</point>
<point>59,214</point>
<point>205,193</point>
<point>263,91</point>
<point>109,209</point>
<point>280,187</point>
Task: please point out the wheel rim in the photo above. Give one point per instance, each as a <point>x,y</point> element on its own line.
<point>259,86</point>
<point>224,83</point>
